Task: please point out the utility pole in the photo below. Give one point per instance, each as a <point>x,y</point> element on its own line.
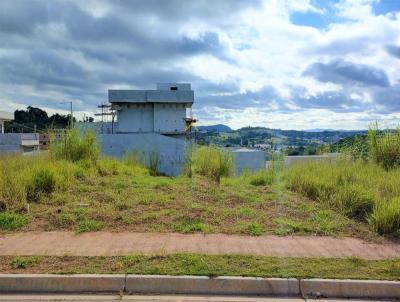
<point>71,122</point>
<point>72,118</point>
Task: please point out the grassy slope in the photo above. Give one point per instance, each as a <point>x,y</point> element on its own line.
<point>198,264</point>
<point>114,195</point>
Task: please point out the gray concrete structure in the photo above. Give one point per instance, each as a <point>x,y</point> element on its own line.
<point>217,286</point>
<point>5,116</point>
<point>19,142</point>
<point>161,111</point>
<point>171,151</point>
<point>32,283</point>
<point>364,289</point>
<point>148,123</point>
<point>248,159</point>
<point>197,285</point>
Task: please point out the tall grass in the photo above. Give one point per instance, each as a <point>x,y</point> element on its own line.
<point>359,190</point>
<point>211,162</point>
<point>75,146</point>
<point>384,147</point>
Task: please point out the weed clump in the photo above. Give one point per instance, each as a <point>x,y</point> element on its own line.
<point>12,221</point>
<point>89,225</point>
<point>24,262</point>
<point>262,178</point>
<point>42,183</point>
<point>384,148</point>
<point>385,218</point>
<point>212,162</point>
<point>75,146</point>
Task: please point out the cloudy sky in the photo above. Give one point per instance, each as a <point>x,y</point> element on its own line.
<point>290,64</point>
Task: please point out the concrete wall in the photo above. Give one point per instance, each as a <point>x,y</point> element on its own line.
<point>169,118</point>
<point>97,127</point>
<point>171,151</point>
<point>247,159</point>
<point>136,118</point>
<point>19,142</point>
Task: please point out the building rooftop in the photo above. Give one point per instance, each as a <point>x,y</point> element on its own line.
<point>165,93</point>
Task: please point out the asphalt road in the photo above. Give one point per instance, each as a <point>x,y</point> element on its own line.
<point>153,298</point>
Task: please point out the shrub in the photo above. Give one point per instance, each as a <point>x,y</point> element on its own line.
<point>212,162</point>
<point>75,146</point>
<point>42,182</point>
<point>12,221</point>
<point>385,218</point>
<point>384,148</point>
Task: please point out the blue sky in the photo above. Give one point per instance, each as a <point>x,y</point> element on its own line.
<point>276,63</point>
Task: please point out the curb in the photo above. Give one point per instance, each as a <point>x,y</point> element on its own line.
<point>32,283</point>
<point>215,286</point>
<point>241,286</point>
<point>350,288</point>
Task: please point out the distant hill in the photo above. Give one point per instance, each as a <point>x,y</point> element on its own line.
<point>215,128</point>
<point>307,142</point>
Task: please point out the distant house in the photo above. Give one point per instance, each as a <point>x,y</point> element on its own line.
<point>166,110</point>
<point>5,116</point>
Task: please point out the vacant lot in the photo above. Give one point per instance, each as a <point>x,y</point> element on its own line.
<point>43,193</point>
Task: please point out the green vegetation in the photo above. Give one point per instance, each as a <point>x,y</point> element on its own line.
<point>211,162</point>
<point>43,182</point>
<point>12,221</point>
<point>76,147</point>
<point>358,190</point>
<point>385,218</point>
<point>90,225</point>
<point>384,148</point>
<point>211,265</point>
<point>364,185</point>
<point>86,192</point>
<point>109,194</point>
<point>24,262</point>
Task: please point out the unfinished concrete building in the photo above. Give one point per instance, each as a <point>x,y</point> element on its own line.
<point>148,122</point>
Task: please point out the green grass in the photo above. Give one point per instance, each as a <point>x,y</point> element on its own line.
<point>386,217</point>
<point>211,162</point>
<point>12,221</point>
<point>24,262</point>
<point>251,228</point>
<point>211,265</point>
<point>89,225</point>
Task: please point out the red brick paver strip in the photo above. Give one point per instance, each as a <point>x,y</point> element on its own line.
<point>109,243</point>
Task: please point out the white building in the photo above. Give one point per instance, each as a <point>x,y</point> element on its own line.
<point>166,110</point>
<point>5,116</point>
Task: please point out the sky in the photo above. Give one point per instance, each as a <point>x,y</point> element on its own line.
<point>289,64</point>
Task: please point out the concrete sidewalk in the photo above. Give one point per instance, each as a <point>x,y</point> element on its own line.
<point>108,243</point>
